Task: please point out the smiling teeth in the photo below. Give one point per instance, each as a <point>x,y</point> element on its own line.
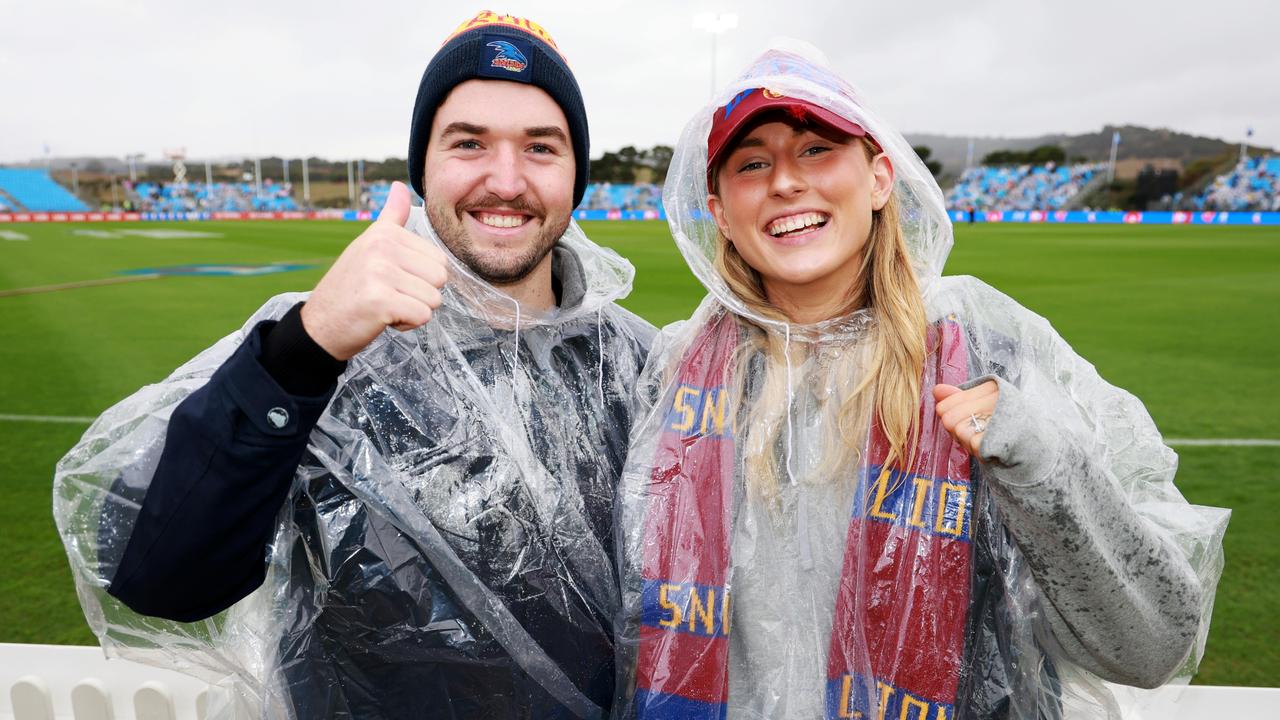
<point>500,221</point>
<point>795,222</point>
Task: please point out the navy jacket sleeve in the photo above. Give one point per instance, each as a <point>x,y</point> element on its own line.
<point>230,454</point>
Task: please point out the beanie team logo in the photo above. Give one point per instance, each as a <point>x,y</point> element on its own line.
<point>507,56</point>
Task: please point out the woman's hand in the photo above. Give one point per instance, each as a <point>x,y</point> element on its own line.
<point>965,413</point>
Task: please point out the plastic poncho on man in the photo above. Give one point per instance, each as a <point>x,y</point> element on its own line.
<point>452,514</point>
<point>1023,585</point>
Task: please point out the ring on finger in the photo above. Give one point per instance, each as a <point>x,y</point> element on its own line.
<point>979,422</point>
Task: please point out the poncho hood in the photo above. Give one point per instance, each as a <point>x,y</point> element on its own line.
<point>796,69</point>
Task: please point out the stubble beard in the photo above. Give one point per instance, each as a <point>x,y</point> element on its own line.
<point>495,268</point>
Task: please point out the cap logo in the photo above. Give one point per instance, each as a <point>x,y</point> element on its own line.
<point>729,107</point>
<point>773,95</point>
<point>507,57</point>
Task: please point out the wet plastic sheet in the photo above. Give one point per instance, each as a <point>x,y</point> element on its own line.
<point>1022,586</point>
<point>452,513</point>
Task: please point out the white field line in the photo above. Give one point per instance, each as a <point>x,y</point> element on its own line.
<point>1185,442</point>
<point>79,284</point>
<point>63,419</point>
<point>1222,442</point>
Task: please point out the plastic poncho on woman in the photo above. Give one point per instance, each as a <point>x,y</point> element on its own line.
<point>1022,584</point>
<point>451,515</point>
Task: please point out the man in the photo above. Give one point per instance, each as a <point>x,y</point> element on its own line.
<point>402,487</point>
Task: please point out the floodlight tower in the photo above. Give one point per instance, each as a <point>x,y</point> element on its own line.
<point>714,23</point>
<point>178,156</point>
<point>133,159</point>
<point>306,183</point>
<point>351,183</point>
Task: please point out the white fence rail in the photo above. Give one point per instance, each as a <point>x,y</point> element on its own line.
<point>55,682</point>
<point>48,682</point>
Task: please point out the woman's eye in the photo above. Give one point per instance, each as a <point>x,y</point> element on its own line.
<point>753,165</point>
<point>816,150</point>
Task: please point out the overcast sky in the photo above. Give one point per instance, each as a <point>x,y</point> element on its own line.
<point>337,79</point>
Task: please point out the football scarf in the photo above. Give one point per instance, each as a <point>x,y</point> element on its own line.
<point>897,642</point>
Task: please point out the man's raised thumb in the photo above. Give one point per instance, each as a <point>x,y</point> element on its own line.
<point>397,208</point>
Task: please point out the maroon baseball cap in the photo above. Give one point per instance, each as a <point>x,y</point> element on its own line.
<point>747,104</point>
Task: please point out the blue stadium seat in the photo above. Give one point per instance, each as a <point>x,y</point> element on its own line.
<point>34,190</point>
<point>1252,185</point>
<point>218,197</point>
<point>1025,187</point>
<point>620,196</point>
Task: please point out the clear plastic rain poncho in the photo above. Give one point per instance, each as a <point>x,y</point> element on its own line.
<point>452,514</point>
<point>774,568</point>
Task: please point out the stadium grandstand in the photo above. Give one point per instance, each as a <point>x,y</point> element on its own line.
<point>1023,187</point>
<point>374,195</point>
<point>626,197</point>
<point>218,197</point>
<point>33,189</point>
<point>1252,185</point>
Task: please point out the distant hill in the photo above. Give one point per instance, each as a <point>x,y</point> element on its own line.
<point>1135,143</point>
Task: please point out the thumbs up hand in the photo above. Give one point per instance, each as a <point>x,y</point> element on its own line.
<point>387,277</point>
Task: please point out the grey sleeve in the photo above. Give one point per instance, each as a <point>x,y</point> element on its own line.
<point>1121,602</point>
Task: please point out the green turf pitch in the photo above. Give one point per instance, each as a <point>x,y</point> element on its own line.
<point>1185,317</point>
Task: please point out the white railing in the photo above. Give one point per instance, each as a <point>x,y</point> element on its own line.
<point>44,682</point>
<point>52,682</point>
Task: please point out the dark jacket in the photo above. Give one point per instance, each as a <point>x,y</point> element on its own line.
<point>427,562</point>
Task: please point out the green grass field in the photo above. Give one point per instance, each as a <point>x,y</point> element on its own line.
<point>1185,317</point>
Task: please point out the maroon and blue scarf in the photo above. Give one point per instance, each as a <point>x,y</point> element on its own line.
<point>897,643</point>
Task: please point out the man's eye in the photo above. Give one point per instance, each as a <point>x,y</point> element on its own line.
<point>543,149</point>
<point>467,145</point>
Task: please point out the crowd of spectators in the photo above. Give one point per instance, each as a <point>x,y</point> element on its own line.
<point>617,196</point>
<point>1252,185</point>
<point>218,197</point>
<point>374,195</point>
<point>1021,187</point>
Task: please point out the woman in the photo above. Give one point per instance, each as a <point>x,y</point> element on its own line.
<point>860,490</point>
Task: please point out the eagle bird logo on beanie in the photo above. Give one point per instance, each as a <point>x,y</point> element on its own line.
<point>507,57</point>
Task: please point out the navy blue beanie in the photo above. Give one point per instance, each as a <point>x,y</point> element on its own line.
<point>499,47</point>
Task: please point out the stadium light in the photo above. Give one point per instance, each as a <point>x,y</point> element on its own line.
<point>133,165</point>
<point>714,23</point>
<point>351,183</point>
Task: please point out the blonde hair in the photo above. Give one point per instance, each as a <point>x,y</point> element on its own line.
<point>890,366</point>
